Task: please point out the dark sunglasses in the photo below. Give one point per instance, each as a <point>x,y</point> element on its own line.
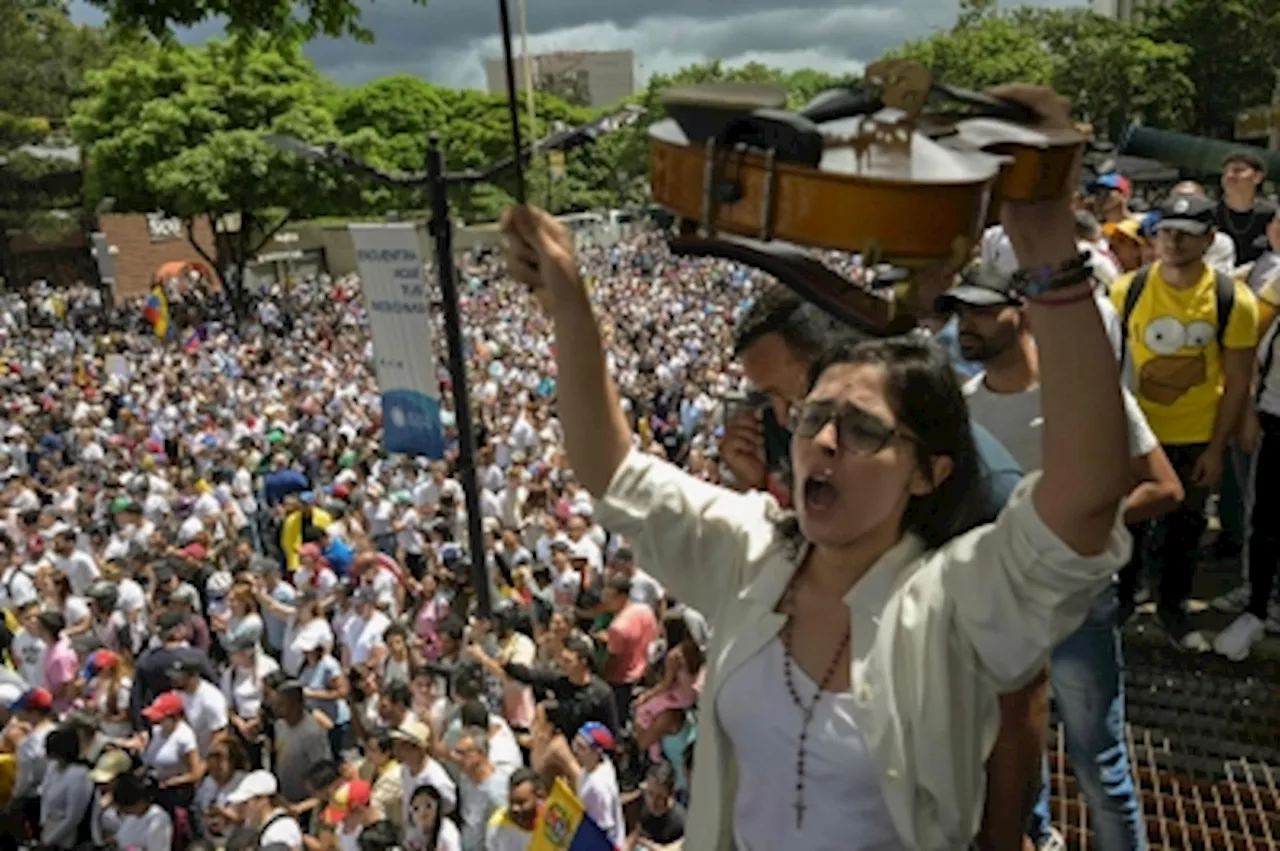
<point>857,431</point>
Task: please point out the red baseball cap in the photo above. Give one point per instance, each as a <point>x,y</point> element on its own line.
<point>353,793</point>
<point>167,705</point>
<point>37,699</point>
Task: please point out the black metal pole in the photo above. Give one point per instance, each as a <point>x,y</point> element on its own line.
<point>442,230</point>
<point>513,108</point>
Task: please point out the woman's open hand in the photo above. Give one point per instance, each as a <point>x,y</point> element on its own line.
<point>540,253</point>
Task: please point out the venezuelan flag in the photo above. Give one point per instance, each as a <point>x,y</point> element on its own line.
<point>156,311</point>
<point>564,825</point>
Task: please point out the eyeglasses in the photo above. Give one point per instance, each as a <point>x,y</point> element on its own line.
<point>857,431</point>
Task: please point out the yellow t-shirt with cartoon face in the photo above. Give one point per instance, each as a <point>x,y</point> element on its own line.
<point>1177,368</point>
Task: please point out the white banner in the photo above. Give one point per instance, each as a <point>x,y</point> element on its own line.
<point>395,294</point>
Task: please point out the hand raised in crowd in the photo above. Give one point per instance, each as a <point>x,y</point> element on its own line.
<point>540,253</point>
<point>742,450</point>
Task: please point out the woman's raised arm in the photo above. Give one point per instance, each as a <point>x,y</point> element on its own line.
<point>596,434</point>
<point>1086,450</point>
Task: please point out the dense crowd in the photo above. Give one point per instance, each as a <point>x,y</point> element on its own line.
<point>220,584</point>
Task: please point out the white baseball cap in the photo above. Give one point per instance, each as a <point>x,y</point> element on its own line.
<point>255,784</point>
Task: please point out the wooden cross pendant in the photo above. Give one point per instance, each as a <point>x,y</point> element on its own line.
<point>799,807</point>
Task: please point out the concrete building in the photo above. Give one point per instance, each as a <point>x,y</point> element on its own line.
<point>1124,9</point>
<point>600,78</point>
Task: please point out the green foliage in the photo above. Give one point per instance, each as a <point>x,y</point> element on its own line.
<point>290,19</point>
<point>1233,55</point>
<point>1114,72</point>
<point>180,130</point>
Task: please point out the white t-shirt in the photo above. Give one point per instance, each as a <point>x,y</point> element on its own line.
<point>243,689</point>
<point>167,755</point>
<point>80,570</point>
<point>17,588</point>
<point>361,636</point>
<point>151,831</point>
<point>1016,420</point>
<point>602,800</point>
<point>842,783</point>
<point>284,831</point>
<point>206,713</point>
<point>29,652</point>
<point>432,774</point>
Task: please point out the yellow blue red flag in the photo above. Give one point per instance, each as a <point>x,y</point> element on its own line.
<point>156,311</point>
<point>564,825</point>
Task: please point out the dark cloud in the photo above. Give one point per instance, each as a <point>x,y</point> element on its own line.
<point>447,40</point>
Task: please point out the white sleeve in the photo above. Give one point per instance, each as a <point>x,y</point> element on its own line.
<point>1142,440</point>
<point>1035,591</point>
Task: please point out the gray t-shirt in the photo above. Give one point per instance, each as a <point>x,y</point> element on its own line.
<point>298,749</point>
<point>478,802</point>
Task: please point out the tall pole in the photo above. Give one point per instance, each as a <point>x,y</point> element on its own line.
<point>442,230</point>
<point>531,102</point>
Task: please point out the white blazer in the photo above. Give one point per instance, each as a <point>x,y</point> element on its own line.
<point>936,637</point>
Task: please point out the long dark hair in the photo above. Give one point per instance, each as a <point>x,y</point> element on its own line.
<point>434,794</point>
<point>925,395</point>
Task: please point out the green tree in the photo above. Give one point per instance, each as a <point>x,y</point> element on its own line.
<point>180,130</point>
<point>292,20</point>
<point>43,58</point>
<point>1114,72</point>
<point>1233,49</point>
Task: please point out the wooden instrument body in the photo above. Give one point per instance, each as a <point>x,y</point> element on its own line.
<point>926,201</point>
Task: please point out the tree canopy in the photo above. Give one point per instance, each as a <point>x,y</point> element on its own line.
<point>290,19</point>
<point>43,59</point>
<point>180,130</point>
<point>1115,72</point>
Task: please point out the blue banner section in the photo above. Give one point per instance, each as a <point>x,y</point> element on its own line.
<point>395,294</point>
<point>411,423</point>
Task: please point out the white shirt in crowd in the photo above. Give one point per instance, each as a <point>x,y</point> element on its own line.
<point>1017,421</point>
<point>602,800</point>
<point>151,831</point>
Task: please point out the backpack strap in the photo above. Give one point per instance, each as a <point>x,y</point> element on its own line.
<point>1131,296</point>
<point>1225,299</point>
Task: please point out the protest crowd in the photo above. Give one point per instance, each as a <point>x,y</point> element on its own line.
<point>232,620</point>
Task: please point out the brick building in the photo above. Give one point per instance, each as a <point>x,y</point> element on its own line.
<point>141,244</point>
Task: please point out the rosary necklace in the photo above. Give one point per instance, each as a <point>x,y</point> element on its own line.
<point>806,711</point>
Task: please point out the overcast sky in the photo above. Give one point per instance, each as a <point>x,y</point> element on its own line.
<point>446,40</point>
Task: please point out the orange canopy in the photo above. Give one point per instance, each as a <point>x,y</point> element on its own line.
<point>178,268</point>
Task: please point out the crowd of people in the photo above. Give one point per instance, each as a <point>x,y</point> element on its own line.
<point>232,620</point>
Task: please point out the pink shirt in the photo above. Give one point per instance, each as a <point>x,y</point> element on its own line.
<point>60,665</point>
<point>630,634</point>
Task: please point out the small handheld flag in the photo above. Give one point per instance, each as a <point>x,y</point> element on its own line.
<point>564,825</point>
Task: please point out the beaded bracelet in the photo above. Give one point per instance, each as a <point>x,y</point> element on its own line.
<point>1033,283</point>
<point>1075,298</point>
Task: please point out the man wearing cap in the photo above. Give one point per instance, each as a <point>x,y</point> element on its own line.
<point>203,703</point>
<point>1108,197</point>
<point>411,743</point>
<point>1241,214</point>
<point>255,796</point>
<point>597,780</point>
<point>152,674</point>
<point>1191,368</point>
